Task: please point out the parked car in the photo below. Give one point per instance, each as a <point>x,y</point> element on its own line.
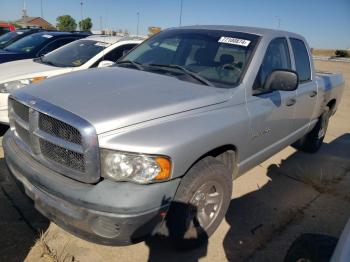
<point>320,248</point>
<point>12,37</point>
<point>94,51</point>
<point>38,44</point>
<point>153,144</point>
<point>6,27</point>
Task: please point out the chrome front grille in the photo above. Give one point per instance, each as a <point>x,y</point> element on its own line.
<point>61,140</point>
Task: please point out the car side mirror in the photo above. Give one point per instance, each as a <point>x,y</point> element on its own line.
<point>105,63</point>
<point>283,80</point>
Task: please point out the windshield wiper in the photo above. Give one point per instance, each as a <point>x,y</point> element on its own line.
<point>41,60</point>
<point>135,64</point>
<point>187,72</point>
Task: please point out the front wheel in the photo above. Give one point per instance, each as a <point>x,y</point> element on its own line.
<point>200,203</point>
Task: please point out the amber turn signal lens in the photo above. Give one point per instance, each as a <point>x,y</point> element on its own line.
<point>37,79</point>
<point>165,167</point>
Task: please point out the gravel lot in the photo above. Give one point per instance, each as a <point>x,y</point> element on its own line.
<point>289,194</point>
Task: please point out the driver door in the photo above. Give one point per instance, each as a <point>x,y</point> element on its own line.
<point>271,112</point>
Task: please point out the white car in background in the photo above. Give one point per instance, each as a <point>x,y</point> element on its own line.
<point>93,51</point>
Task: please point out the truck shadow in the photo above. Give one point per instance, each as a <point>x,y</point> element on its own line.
<point>20,223</point>
<point>257,217</point>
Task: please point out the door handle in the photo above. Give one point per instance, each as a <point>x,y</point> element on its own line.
<point>291,102</point>
<point>313,94</point>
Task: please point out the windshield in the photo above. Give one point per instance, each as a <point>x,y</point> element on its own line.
<point>9,36</point>
<point>219,57</point>
<point>74,54</point>
<point>28,43</point>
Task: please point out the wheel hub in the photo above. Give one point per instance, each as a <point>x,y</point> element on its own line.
<point>207,202</point>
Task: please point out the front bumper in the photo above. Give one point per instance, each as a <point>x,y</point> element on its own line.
<point>108,213</point>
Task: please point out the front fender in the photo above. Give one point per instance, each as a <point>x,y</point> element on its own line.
<point>183,137</point>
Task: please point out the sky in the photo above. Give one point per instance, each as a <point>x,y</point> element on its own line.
<point>324,23</point>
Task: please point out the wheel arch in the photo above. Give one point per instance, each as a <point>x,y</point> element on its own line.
<point>227,154</point>
<point>332,105</point>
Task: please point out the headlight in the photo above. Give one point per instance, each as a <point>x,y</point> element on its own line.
<point>141,169</point>
<point>9,87</point>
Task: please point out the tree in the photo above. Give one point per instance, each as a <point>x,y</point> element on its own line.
<point>342,53</point>
<point>66,23</point>
<point>85,24</point>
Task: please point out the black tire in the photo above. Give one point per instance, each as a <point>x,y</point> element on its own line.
<point>312,141</point>
<point>311,248</point>
<point>183,222</point>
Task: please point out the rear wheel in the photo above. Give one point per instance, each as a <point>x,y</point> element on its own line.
<point>200,203</point>
<point>312,141</point>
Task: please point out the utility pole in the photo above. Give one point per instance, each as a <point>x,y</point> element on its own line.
<point>278,22</point>
<point>101,24</point>
<point>181,3</point>
<point>41,9</point>
<point>81,15</point>
<point>138,23</point>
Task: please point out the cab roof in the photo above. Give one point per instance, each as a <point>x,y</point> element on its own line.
<point>243,29</point>
<point>112,39</point>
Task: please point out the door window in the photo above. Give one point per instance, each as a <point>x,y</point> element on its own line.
<point>276,57</point>
<point>301,58</point>
<point>118,52</point>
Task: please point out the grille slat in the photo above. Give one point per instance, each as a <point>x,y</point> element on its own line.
<point>62,156</point>
<point>22,133</point>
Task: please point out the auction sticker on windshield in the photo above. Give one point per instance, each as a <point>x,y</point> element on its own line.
<point>47,36</point>
<point>234,41</point>
<point>101,44</point>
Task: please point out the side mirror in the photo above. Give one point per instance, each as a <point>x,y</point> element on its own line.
<point>105,63</point>
<point>283,80</point>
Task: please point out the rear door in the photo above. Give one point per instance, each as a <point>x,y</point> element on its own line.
<point>271,112</point>
<point>306,93</point>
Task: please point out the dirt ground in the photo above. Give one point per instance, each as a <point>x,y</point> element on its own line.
<point>289,194</point>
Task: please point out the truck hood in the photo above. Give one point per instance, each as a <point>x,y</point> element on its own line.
<point>17,70</point>
<point>115,97</point>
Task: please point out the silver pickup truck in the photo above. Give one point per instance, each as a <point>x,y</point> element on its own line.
<point>153,144</point>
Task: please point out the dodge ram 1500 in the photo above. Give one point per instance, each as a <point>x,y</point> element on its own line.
<point>154,143</point>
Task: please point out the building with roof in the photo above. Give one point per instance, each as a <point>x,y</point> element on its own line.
<point>29,21</point>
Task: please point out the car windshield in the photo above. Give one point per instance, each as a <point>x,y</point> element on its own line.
<point>206,56</point>
<point>28,43</point>
<point>9,36</point>
<point>74,54</point>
